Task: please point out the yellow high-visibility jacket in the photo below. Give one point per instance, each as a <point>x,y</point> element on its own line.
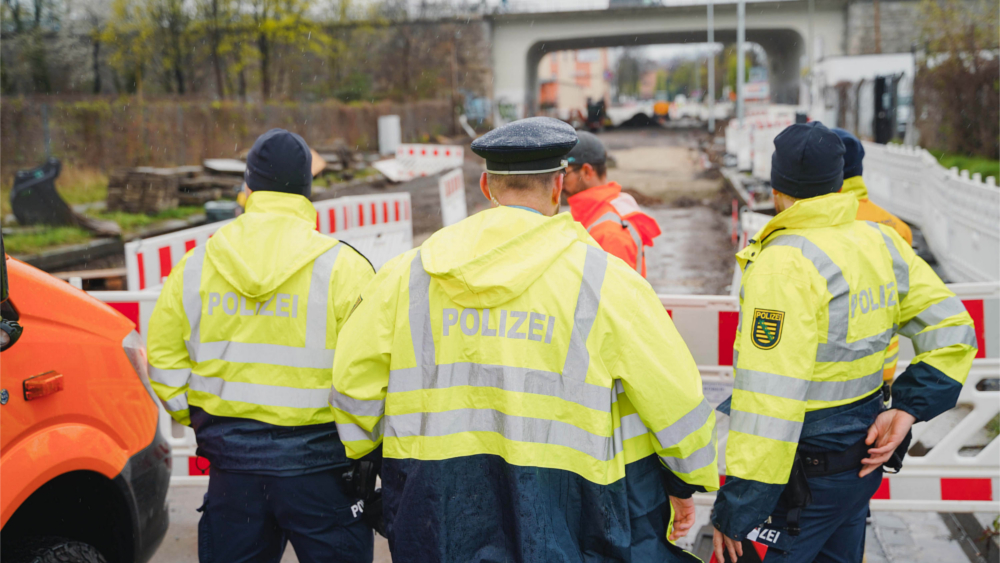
<point>525,390</point>
<point>869,211</point>
<point>822,295</point>
<point>246,326</point>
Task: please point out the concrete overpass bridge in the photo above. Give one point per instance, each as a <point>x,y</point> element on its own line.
<point>781,27</point>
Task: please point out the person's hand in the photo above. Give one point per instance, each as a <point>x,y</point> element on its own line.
<point>886,434</point>
<point>683,517</point>
<point>720,541</point>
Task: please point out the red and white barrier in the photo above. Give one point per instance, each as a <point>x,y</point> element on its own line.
<point>945,479</point>
<point>415,161</point>
<point>451,188</point>
<point>149,261</point>
<point>378,225</point>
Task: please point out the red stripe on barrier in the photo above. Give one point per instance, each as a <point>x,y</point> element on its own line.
<point>670,313</point>
<point>166,264</point>
<point>189,244</point>
<point>142,270</point>
<point>130,310</point>
<point>883,492</point>
<point>374,215</point>
<point>347,220</point>
<point>198,466</point>
<point>975,309</point>
<point>396,205</point>
<point>728,321</point>
<point>966,489</point>
<point>385,211</point>
<point>317,221</point>
<point>361,215</point>
<point>333,220</point>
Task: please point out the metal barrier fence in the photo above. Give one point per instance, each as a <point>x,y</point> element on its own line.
<point>378,225</point>
<point>947,478</point>
<point>959,215</point>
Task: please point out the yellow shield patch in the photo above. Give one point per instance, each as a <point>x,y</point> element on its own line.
<point>767,326</point>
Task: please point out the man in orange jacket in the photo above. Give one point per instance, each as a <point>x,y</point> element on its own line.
<point>610,216</point>
<point>868,211</point>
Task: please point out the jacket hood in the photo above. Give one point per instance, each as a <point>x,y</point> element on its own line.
<point>817,212</point>
<point>265,246</point>
<point>494,256</point>
<point>855,185</point>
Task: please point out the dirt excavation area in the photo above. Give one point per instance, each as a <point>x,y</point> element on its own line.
<point>663,169</point>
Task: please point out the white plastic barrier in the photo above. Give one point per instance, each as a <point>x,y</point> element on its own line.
<point>415,161</point>
<point>451,188</point>
<point>149,261</point>
<point>763,146</point>
<point>943,480</point>
<point>378,225</point>
<point>958,215</point>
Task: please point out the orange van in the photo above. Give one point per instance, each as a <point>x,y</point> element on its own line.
<point>84,469</point>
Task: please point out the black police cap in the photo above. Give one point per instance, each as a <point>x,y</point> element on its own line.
<point>528,146</point>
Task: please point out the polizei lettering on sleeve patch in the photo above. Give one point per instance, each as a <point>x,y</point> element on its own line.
<point>767,326</point>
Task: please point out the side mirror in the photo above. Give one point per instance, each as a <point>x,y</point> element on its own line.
<point>10,330</point>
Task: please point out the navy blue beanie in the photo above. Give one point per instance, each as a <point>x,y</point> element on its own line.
<point>280,161</point>
<point>854,155</point>
<point>808,161</point>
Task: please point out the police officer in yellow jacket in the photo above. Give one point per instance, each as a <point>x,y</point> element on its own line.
<point>531,398</point>
<point>821,297</point>
<point>241,344</point>
<point>854,184</point>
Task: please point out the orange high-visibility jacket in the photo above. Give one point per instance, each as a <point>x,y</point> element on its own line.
<point>616,223</point>
<point>869,211</point>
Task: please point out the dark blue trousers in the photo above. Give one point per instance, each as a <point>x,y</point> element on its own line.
<point>248,517</point>
<point>833,526</point>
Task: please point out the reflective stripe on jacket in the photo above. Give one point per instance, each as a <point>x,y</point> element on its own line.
<point>614,220</point>
<point>246,326</point>
<point>509,357</point>
<point>868,211</point>
<point>822,296</point>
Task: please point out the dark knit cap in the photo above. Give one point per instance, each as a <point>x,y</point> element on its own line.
<point>854,155</point>
<point>280,161</point>
<point>808,161</point>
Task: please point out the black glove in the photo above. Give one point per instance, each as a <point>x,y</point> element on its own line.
<point>361,481</point>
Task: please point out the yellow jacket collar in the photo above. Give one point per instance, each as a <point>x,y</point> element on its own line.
<point>856,187</point>
<point>825,211</point>
<point>292,205</point>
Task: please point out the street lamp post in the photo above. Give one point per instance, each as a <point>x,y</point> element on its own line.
<point>741,12</point>
<point>711,69</point>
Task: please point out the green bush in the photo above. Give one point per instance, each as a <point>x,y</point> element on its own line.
<point>984,166</point>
